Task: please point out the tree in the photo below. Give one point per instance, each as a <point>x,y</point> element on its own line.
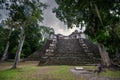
<point>3,39</point>
<point>95,15</point>
<point>46,31</point>
<point>10,27</point>
<point>25,13</point>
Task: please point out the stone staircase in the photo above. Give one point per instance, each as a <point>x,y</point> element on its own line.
<point>71,52</point>
<point>91,50</point>
<point>51,49</point>
<point>68,46</point>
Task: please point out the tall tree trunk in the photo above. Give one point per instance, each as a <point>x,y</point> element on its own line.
<point>104,55</point>
<point>4,57</point>
<point>18,52</point>
<point>117,54</point>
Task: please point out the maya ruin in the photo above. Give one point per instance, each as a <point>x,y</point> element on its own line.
<point>74,49</point>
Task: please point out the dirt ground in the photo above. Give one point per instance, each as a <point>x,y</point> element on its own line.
<point>90,75</point>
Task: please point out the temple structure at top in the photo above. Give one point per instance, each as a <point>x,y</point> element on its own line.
<point>74,35</point>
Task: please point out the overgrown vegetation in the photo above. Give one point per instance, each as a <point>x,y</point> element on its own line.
<point>101,19</point>
<point>24,33</point>
<point>34,41</point>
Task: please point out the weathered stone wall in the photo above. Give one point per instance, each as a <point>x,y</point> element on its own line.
<point>68,46</point>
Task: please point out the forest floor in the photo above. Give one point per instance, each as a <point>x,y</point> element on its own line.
<point>31,71</point>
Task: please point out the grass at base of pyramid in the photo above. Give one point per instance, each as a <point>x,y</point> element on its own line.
<point>31,71</point>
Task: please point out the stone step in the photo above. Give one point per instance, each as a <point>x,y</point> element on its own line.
<point>71,52</point>
<point>85,47</point>
<point>87,55</point>
<point>49,54</point>
<point>54,42</point>
<point>70,57</point>
<point>81,57</point>
<point>90,54</point>
<point>70,60</point>
<point>50,50</point>
<point>52,47</point>
<point>86,50</point>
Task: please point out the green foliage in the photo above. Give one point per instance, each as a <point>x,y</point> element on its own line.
<point>3,38</point>
<point>117,30</point>
<point>99,16</point>
<point>34,40</point>
<point>25,14</point>
<point>13,43</point>
<point>102,36</point>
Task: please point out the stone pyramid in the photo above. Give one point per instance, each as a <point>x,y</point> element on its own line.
<point>74,49</point>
